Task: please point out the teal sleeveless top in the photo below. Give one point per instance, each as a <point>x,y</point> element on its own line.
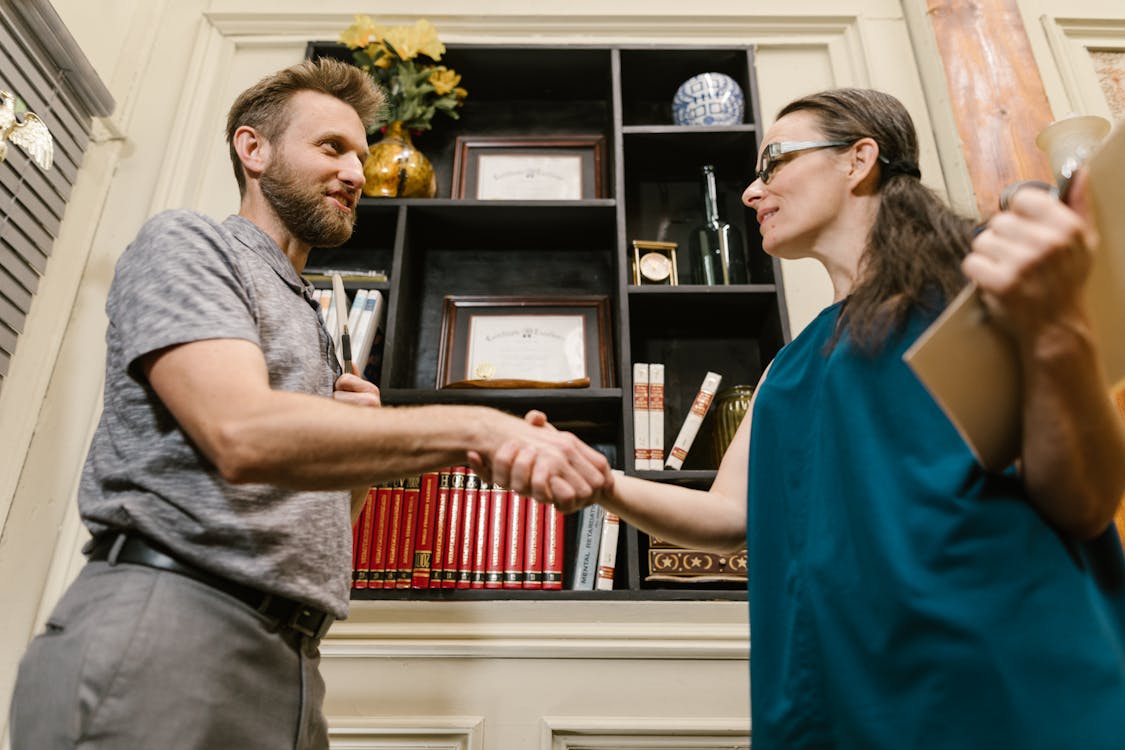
<point>901,596</point>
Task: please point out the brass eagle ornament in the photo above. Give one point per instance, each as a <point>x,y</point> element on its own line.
<point>31,135</point>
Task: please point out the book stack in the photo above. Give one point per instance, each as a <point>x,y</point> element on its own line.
<point>365,324</point>
<point>648,416</point>
<point>595,557</point>
<point>450,530</point>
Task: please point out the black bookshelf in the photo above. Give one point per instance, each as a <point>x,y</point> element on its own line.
<point>444,246</point>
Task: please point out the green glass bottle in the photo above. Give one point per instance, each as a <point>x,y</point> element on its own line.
<point>717,250</point>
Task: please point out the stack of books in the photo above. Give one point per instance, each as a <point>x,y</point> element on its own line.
<point>648,418</point>
<point>365,324</point>
<point>450,530</point>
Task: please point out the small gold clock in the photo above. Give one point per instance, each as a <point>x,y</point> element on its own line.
<point>654,263</point>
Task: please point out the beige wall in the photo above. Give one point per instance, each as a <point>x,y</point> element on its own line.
<point>465,675</point>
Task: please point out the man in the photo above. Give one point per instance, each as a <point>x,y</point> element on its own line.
<point>217,484</point>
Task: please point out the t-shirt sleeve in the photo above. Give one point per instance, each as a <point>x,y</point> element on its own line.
<point>179,282</point>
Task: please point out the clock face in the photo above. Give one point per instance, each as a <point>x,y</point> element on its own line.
<point>656,266</point>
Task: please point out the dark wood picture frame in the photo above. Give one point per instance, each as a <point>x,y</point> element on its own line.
<point>459,310</point>
<point>469,149</point>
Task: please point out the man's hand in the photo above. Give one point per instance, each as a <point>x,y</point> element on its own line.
<point>353,389</point>
<point>549,465</point>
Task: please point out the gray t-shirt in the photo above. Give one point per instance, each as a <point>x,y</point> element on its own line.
<point>187,278</point>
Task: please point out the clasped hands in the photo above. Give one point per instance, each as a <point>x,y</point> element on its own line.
<point>528,456</point>
<point>548,465</point>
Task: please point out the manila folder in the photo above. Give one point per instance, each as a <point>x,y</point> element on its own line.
<point>972,368</point>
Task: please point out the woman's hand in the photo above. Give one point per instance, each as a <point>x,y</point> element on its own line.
<point>1032,261</point>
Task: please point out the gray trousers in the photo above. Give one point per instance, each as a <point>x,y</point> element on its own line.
<point>134,658</point>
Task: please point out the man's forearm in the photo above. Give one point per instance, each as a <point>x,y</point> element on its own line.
<point>305,442</point>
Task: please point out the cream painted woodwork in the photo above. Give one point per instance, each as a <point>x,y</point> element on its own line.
<point>467,675</point>
<point>1063,35</point>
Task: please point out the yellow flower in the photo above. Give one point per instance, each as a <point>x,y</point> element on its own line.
<point>411,41</point>
<point>401,60</point>
<point>444,80</point>
<point>373,50</point>
<point>361,33</point>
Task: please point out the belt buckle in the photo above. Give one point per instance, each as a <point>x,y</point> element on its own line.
<point>298,618</point>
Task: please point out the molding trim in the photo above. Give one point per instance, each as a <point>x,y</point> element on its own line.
<point>537,640</point>
<point>935,87</point>
<point>406,733</point>
<point>81,80</point>
<point>643,733</point>
<point>647,29</point>
<point>222,35</point>
<point>1068,36</point>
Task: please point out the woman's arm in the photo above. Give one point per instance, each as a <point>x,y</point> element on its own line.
<point>712,520</point>
<point>1031,264</point>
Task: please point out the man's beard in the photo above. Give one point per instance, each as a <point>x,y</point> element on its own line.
<point>302,208</point>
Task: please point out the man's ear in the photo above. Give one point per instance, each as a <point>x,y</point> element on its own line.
<point>252,149</point>
<point>865,155</point>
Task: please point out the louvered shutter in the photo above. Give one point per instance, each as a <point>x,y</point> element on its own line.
<point>42,65</point>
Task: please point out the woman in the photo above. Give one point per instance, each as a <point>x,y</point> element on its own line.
<point>902,596</point>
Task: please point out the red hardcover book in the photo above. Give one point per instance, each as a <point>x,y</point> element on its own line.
<point>553,526</point>
<point>513,563</point>
<point>533,545</point>
<point>381,537</point>
<point>409,528</point>
<point>424,534</point>
<point>394,534</point>
<point>497,539</point>
<point>453,528</point>
<point>470,514</point>
<point>480,537</point>
<point>355,550</point>
<point>441,525</point>
<point>366,525</point>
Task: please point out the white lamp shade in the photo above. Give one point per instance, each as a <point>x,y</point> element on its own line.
<point>1069,141</point>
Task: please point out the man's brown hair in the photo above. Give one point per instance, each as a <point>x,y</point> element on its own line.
<point>264,106</point>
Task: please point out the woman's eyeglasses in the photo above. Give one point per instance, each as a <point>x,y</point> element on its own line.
<point>774,151</point>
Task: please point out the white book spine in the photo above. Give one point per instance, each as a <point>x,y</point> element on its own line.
<point>656,417</point>
<point>692,421</point>
<point>370,322</point>
<point>640,416</point>
<point>353,314</point>
<point>607,552</point>
<point>586,547</point>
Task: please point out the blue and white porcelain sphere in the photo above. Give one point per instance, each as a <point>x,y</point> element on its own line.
<point>708,99</point>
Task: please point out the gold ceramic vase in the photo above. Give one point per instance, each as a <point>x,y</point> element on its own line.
<point>395,169</point>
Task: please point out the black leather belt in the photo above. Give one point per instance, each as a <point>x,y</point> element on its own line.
<point>284,612</point>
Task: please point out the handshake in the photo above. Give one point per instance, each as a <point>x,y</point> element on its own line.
<point>528,455</point>
<point>533,458</point>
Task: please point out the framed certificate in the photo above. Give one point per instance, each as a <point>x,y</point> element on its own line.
<point>525,342</point>
<point>559,167</point>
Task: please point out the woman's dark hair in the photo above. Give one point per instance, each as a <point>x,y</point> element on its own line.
<point>913,254</point>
